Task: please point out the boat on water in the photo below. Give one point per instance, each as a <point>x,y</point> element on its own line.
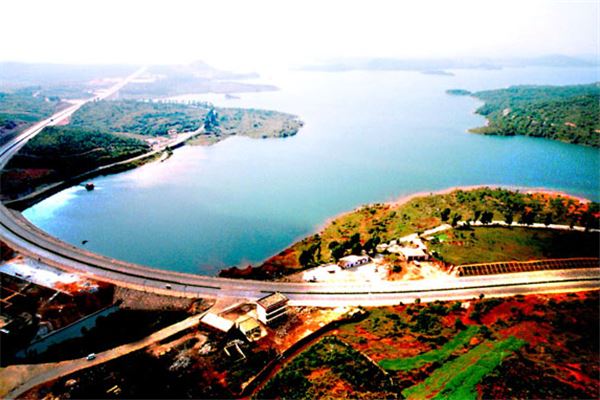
<point>89,186</point>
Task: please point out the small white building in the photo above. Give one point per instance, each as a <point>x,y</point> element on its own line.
<point>216,323</point>
<point>353,261</point>
<point>271,307</point>
<point>414,254</point>
<point>382,247</point>
<point>320,273</point>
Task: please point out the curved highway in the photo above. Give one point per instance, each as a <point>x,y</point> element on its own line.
<point>19,233</point>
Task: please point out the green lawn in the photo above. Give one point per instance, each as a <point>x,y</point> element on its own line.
<point>488,244</point>
<point>457,379</point>
<point>439,355</point>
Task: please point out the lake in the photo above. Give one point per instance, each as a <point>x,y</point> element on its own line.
<point>368,137</point>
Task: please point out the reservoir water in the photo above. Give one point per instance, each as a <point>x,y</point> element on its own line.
<point>368,137</point>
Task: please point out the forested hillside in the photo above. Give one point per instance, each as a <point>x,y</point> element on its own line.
<point>59,153</point>
<point>567,113</point>
<point>144,118</point>
<point>162,118</point>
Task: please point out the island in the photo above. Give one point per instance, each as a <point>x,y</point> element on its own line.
<point>566,113</point>
<point>458,92</point>
<point>439,72</point>
<point>460,226</point>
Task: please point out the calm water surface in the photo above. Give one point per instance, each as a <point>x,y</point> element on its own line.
<point>368,137</point>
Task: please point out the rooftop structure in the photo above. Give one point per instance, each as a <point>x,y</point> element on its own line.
<point>272,300</point>
<point>353,261</point>
<point>414,254</point>
<point>217,323</point>
<point>250,328</point>
<point>271,307</point>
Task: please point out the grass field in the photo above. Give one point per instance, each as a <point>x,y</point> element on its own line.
<point>438,355</point>
<point>457,379</point>
<point>489,244</point>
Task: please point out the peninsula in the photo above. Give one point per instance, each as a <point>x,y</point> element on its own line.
<point>110,136</point>
<point>468,216</point>
<point>566,113</point>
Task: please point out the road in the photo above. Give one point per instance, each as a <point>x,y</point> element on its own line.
<point>20,234</point>
<point>25,377</point>
<point>11,148</point>
<point>31,241</point>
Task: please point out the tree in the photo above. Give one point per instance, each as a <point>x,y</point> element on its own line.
<point>486,217</point>
<point>305,257</point>
<point>548,219</point>
<point>528,217</point>
<point>308,256</point>
<point>371,244</point>
<point>210,121</point>
<point>485,331</point>
<point>356,248</point>
<point>476,215</point>
<point>589,221</point>
<point>338,251</point>
<point>455,218</point>
<point>445,214</point>
<point>508,217</point>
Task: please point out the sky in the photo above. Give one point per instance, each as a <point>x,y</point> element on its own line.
<point>244,34</point>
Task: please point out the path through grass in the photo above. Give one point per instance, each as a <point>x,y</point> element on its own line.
<point>460,340</point>
<point>457,379</point>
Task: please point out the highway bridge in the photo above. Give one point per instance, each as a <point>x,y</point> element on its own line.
<point>26,238</point>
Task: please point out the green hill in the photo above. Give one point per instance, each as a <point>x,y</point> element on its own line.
<point>567,113</point>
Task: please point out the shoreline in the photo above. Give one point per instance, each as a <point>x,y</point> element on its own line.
<point>408,197</point>
<point>48,190</point>
<point>193,138</point>
<point>239,271</point>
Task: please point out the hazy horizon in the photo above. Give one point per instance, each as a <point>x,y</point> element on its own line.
<point>267,34</point>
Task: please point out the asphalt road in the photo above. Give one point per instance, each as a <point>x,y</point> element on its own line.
<point>38,375</point>
<point>31,241</point>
